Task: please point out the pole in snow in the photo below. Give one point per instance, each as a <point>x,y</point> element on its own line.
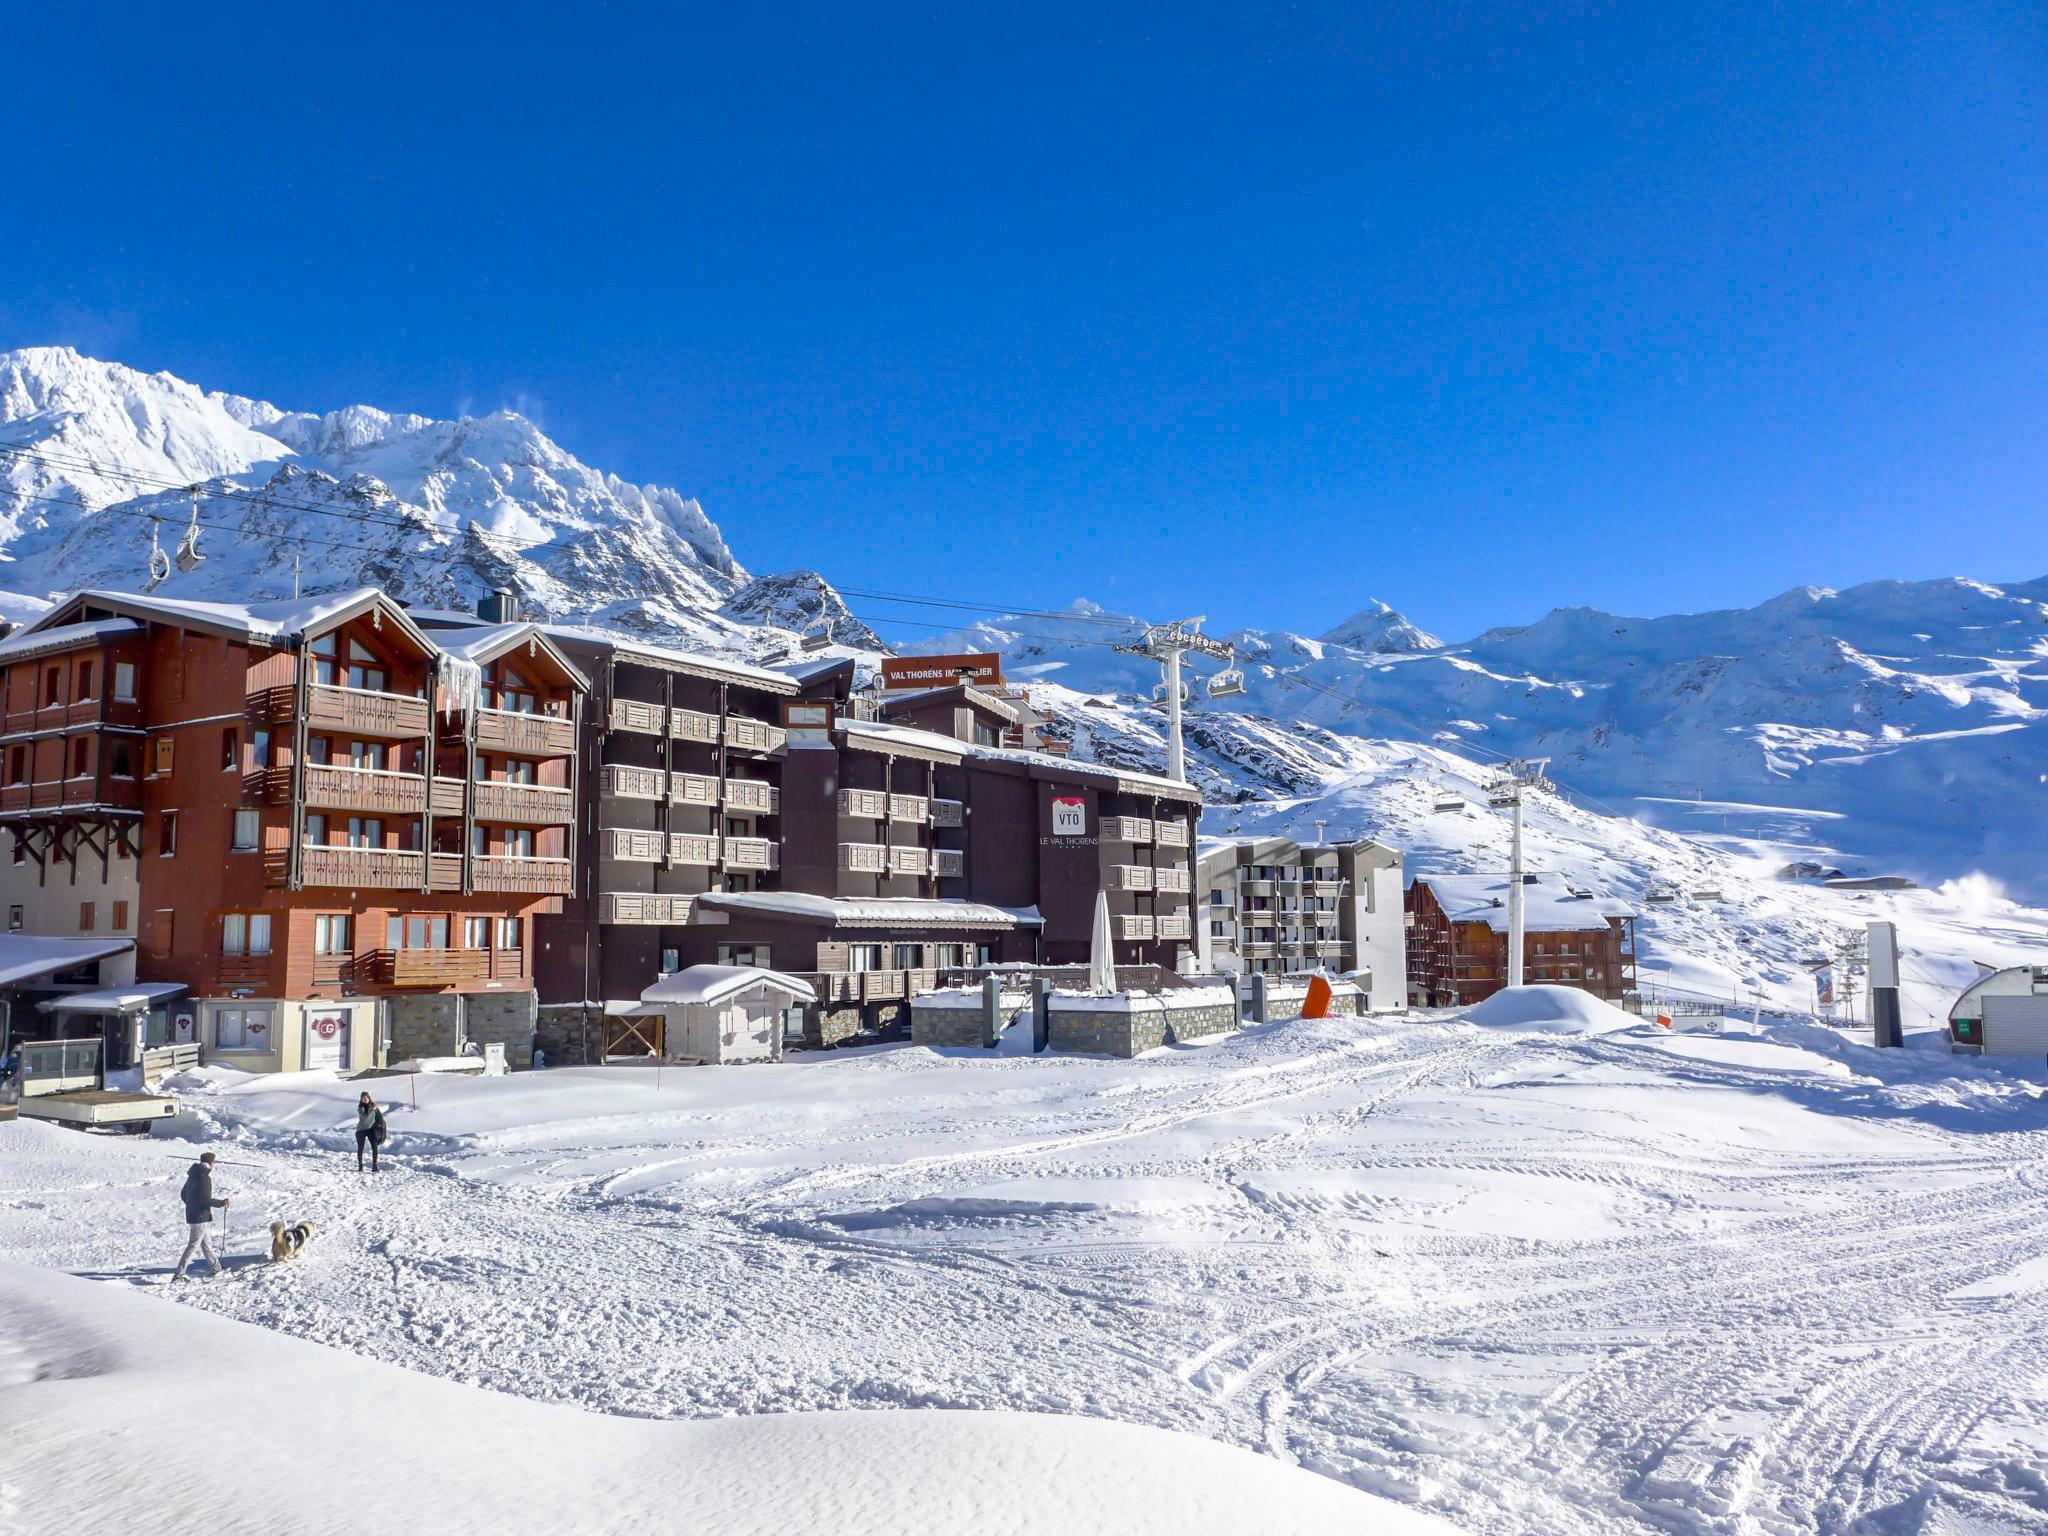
<point>1166,644</point>
<point>1522,774</point>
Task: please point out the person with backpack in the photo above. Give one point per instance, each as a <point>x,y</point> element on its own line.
<point>200,1205</point>
<point>370,1130</point>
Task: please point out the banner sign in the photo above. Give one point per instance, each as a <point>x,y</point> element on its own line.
<point>1824,987</point>
<point>1069,816</point>
<point>900,673</point>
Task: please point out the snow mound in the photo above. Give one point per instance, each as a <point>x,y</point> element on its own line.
<point>1555,1010</point>
<point>84,1365</point>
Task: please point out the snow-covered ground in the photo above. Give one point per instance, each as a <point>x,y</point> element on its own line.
<point>1539,1269</point>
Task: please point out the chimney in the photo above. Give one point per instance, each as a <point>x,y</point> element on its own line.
<point>498,607</point>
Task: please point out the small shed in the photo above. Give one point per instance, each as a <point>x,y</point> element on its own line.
<point>2003,1013</point>
<point>719,1013</point>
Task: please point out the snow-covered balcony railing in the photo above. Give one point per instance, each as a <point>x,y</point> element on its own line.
<point>692,848</point>
<point>642,907</point>
<point>868,804</point>
<point>949,863</point>
<point>1127,877</point>
<point>743,733</point>
<point>1171,878</point>
<point>633,845</point>
<point>881,986</point>
<point>331,787</point>
<point>909,861</point>
<point>530,805</point>
<point>525,735</point>
<point>863,858</point>
<point>909,808</point>
<point>1170,834</point>
<point>346,711</point>
<point>535,875</point>
<point>359,868</point>
<point>1126,829</point>
<point>949,813</point>
<point>692,789</point>
<point>1133,925</point>
<point>693,725</point>
<point>751,853</point>
<point>756,795</point>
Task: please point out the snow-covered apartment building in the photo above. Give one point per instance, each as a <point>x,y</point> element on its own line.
<point>1458,938</point>
<point>1272,905</point>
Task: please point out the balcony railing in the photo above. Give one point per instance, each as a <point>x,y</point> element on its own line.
<point>643,907</point>
<point>1172,879</point>
<point>525,735</point>
<point>444,872</point>
<point>56,794</point>
<point>1170,834</point>
<point>532,805</point>
<point>910,808</point>
<point>756,795</point>
<point>948,813</point>
<point>881,986</point>
<point>869,804</point>
<point>1172,926</point>
<point>244,970</point>
<point>635,715</point>
<point>526,875</point>
<point>638,847</point>
<point>750,853</point>
<point>692,848</point>
<point>909,861</point>
<point>362,868</point>
<point>1127,877</point>
<point>348,711</point>
<point>745,734</point>
<point>693,725</point>
<point>692,789</point>
<point>1126,829</point>
<point>863,858</point>
<point>447,796</point>
<point>441,967</point>
<point>333,788</point>
<point>1133,925</point>
<point>949,863</point>
<point>621,781</point>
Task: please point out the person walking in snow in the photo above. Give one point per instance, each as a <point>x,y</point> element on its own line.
<point>199,1208</point>
<point>370,1130</point>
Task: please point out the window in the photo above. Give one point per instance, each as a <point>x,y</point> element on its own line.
<point>317,750</point>
<point>367,754</point>
<point>164,754</point>
<point>20,849</point>
<point>120,917</point>
<point>509,931</point>
<point>14,919</point>
<point>124,681</point>
<point>124,761</point>
<point>17,765</point>
<point>365,832</point>
<point>259,750</point>
<point>241,1029</point>
<point>230,748</point>
<point>245,933</point>
<point>985,736</point>
<point>422,932</point>
<point>476,933</point>
<point>904,958</point>
<point>53,685</point>
<point>671,961</point>
<point>519,842</point>
<point>163,932</point>
<point>85,680</point>
<point>364,669</point>
<point>332,934</point>
<point>518,773</point>
<point>516,695</point>
<point>167,834</point>
<point>88,917</point>
<point>743,954</point>
<point>864,957</point>
<point>736,826</point>
<point>325,650</point>
<point>247,826</point>
<point>81,758</point>
<point>316,829</point>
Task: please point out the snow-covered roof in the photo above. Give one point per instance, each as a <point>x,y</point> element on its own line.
<point>1548,906</point>
<point>278,619</point>
<point>28,956</point>
<point>62,636</point>
<point>138,994</point>
<point>487,642</point>
<point>1126,780</point>
<point>880,736</point>
<point>872,911</point>
<point>710,983</point>
<point>1002,709</point>
<point>714,667</point>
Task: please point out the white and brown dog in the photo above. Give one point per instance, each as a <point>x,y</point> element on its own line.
<point>288,1242</point>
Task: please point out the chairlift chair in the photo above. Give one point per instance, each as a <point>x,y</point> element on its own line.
<point>1227,684</point>
<point>818,633</point>
<point>159,562</point>
<point>188,557</point>
<point>1444,805</point>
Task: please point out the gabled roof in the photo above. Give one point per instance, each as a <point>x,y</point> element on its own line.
<point>717,669</point>
<point>63,636</point>
<point>904,740</point>
<point>965,693</point>
<point>487,643</point>
<point>282,621</point>
<point>712,983</point>
<point>1548,906</point>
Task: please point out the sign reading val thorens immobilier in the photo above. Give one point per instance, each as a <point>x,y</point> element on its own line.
<point>904,672</point>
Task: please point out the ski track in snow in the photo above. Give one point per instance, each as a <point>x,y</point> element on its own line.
<point>1722,1305</point>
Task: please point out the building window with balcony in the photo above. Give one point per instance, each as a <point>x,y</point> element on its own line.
<point>419,932</point>
<point>124,761</point>
<point>519,842</point>
<point>124,681</point>
<point>85,681</point>
<point>259,750</point>
<point>366,670</point>
<point>333,934</point>
<point>517,772</point>
<point>241,1029</point>
<point>17,765</point>
<point>167,834</point>
<point>316,829</point>
<point>81,758</point>
<point>230,749</point>
<point>245,933</point>
<point>743,954</point>
<point>368,754</point>
<point>248,827</point>
<point>326,664</point>
<point>863,957</point>
<point>516,695</point>
<point>509,932</point>
<point>904,957</point>
<point>53,686</point>
<point>476,933</point>
<point>365,832</point>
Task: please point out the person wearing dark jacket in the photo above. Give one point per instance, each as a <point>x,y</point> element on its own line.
<point>199,1208</point>
<point>370,1131</point>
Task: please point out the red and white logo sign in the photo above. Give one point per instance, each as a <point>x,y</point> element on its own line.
<point>1069,816</point>
<point>326,1025</point>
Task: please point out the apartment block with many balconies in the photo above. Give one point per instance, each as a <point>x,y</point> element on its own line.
<point>1274,906</point>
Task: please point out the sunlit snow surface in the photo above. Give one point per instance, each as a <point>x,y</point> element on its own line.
<point>1525,1279</point>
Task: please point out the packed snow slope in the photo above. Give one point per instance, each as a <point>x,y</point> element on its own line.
<point>98,1388</point>
<point>1903,724</point>
<point>1505,1270</point>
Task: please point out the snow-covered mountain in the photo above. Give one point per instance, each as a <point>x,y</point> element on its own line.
<point>437,511</point>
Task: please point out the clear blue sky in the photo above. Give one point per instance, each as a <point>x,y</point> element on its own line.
<point>1252,312</point>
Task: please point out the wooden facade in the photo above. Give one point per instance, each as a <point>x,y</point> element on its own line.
<point>1454,961</point>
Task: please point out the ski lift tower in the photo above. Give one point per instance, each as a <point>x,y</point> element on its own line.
<point>1506,792</point>
<point>1166,644</point>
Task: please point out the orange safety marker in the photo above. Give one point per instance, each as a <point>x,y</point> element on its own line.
<point>1317,1004</point>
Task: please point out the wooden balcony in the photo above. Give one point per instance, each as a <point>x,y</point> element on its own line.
<point>1172,926</point>
<point>84,792</point>
<point>526,805</point>
<point>693,725</point>
<point>868,804</point>
<point>447,796</point>
<point>444,872</point>
<point>909,808</point>
<point>693,849</point>
<point>1126,829</point>
<point>637,847</point>
<point>243,970</point>
<point>634,715</point>
<point>948,813</point>
<point>751,853</point>
<point>348,711</point>
<point>1172,879</point>
<point>643,907</point>
<point>373,791</point>
<point>365,869</point>
<point>756,795</point>
<point>909,861</point>
<point>949,863</point>
<point>530,876</point>
<point>881,986</point>
<point>692,789</point>
<point>745,734</point>
<point>1170,834</point>
<point>1127,877</point>
<point>621,781</point>
<point>863,858</point>
<point>425,967</point>
<point>1132,925</point>
<point>522,735</point>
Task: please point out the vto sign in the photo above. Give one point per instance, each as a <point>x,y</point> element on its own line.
<point>1069,816</point>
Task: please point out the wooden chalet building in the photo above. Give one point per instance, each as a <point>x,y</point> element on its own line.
<point>336,831</point>
<point>1458,939</point>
